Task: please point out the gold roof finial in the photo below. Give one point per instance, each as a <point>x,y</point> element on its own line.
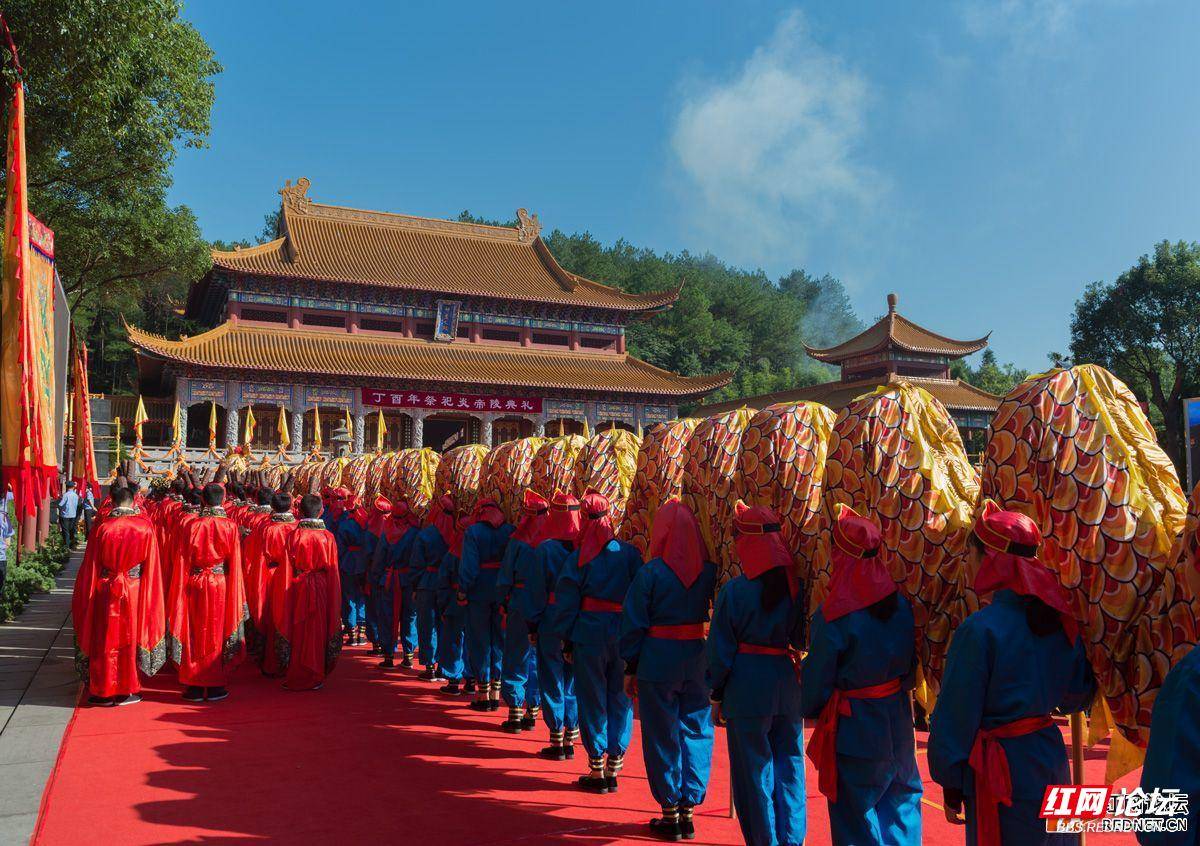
<point>530,227</point>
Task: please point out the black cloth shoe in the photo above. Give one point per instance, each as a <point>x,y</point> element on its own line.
<point>687,827</point>
<point>513,726</point>
<point>452,688</point>
<point>529,722</point>
<point>666,829</point>
<point>612,783</point>
<point>493,704</point>
<point>553,753</point>
<point>479,704</point>
<point>216,694</point>
<point>429,673</point>
<point>469,686</point>
<point>100,700</point>
<point>406,662</point>
<point>569,750</point>
<point>387,663</point>
<point>131,699</point>
<point>194,694</point>
<point>593,784</point>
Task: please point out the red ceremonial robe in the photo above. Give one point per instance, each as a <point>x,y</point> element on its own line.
<point>206,611</point>
<point>312,630</point>
<point>269,576</point>
<point>117,606</point>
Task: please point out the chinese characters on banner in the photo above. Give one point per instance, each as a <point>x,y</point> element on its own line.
<point>442,401</point>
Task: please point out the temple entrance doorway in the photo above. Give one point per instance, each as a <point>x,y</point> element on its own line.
<point>447,431</point>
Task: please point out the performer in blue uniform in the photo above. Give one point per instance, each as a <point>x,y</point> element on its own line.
<point>351,537</point>
<point>483,549</point>
<point>757,627</point>
<point>404,599</point>
<point>556,678</point>
<point>591,587</point>
<point>662,643</point>
<point>381,509</point>
<point>387,571</point>
<point>857,681</point>
<point>452,618</point>
<point>430,546</point>
<point>993,744</point>
<point>518,670</point>
<point>1173,756</point>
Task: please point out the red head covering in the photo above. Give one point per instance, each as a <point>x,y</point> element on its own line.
<point>597,526</point>
<point>1010,562</point>
<point>759,544</point>
<point>533,521</point>
<point>563,521</point>
<point>675,538</point>
<point>487,511</point>
<point>860,578</point>
<point>402,519</point>
<point>444,518</point>
<point>380,510</point>
<point>460,533</point>
<point>337,502</point>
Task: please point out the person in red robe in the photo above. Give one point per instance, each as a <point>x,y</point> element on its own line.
<point>207,611</point>
<point>312,630</point>
<point>268,583</point>
<point>120,626</point>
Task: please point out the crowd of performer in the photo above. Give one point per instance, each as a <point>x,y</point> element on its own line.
<point>562,623</point>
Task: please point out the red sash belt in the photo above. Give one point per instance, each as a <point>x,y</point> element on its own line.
<point>354,549</point>
<point>591,603</point>
<point>518,585</point>
<point>759,649</point>
<point>683,631</point>
<point>550,599</point>
<point>490,565</point>
<point>993,781</point>
<point>431,569</point>
<point>822,748</point>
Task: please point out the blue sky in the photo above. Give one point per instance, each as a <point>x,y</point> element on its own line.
<point>986,160</point>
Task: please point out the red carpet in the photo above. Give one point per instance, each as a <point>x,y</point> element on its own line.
<point>368,759</point>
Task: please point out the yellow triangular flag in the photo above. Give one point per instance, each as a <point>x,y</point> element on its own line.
<point>317,428</point>
<point>561,428</point>
<point>139,417</point>
<point>212,423</point>
<point>349,425</point>
<point>285,438</point>
<point>251,423</point>
<point>380,431</point>
<point>177,435</point>
<point>639,430</point>
<point>587,433</point>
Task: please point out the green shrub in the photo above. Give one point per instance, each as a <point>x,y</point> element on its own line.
<point>34,574</point>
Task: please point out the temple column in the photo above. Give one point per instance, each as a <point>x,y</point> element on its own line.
<point>232,414</point>
<point>297,431</point>
<point>183,410</point>
<point>360,432</point>
<point>418,429</point>
<point>485,429</point>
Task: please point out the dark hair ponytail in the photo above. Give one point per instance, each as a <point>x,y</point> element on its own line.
<point>1041,618</point>
<point>775,587</point>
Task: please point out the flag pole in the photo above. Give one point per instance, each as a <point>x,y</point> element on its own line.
<point>1077,755</point>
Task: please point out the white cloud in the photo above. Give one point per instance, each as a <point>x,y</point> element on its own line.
<point>1025,23</point>
<point>770,153</point>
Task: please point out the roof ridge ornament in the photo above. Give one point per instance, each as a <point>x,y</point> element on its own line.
<point>530,227</point>
<point>296,196</point>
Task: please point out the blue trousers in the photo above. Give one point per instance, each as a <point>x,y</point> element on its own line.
<point>879,802</point>
<point>518,671</point>
<point>766,756</point>
<point>605,712</point>
<point>371,609</point>
<point>354,602</point>
<point>381,606</point>
<point>427,625</point>
<point>450,640</point>
<point>408,620</point>
<point>556,683</point>
<point>677,740</point>
<point>485,641</point>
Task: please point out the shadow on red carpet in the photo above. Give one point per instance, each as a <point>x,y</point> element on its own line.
<point>370,758</point>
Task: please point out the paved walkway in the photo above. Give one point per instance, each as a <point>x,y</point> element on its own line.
<point>38,690</point>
